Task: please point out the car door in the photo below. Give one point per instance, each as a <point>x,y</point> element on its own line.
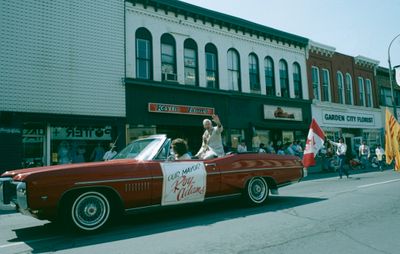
<point>184,181</point>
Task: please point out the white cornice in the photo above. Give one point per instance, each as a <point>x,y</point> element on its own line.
<point>366,62</point>
<point>322,49</point>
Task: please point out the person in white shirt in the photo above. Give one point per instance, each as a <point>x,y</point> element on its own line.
<point>261,149</point>
<point>242,148</point>
<point>379,156</point>
<point>212,140</point>
<point>341,153</point>
<point>110,154</point>
<point>180,149</point>
<point>364,153</point>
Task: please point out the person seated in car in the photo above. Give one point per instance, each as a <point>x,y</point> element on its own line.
<point>180,149</point>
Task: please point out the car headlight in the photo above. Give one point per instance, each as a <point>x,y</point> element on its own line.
<point>21,195</point>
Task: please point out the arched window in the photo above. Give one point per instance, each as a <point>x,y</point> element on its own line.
<point>144,58</point>
<point>368,88</point>
<point>211,66</point>
<point>190,62</point>
<point>168,58</point>
<point>298,90</point>
<point>233,70</point>
<point>326,85</point>
<point>269,76</point>
<point>254,73</point>
<point>315,82</point>
<point>361,91</point>
<point>349,89</point>
<point>284,78</point>
<point>339,77</point>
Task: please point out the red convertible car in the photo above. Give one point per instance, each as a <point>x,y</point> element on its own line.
<point>86,196</point>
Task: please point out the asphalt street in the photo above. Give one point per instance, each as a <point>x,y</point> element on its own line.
<point>322,214</point>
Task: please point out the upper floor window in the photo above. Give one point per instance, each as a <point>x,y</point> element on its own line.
<point>315,82</point>
<point>349,89</point>
<point>144,59</point>
<point>254,73</point>
<point>368,90</point>
<point>298,90</point>
<point>284,78</point>
<point>168,58</point>
<point>386,97</point>
<point>211,66</point>
<point>269,76</point>
<point>190,62</point>
<point>326,85</point>
<point>340,82</point>
<point>361,91</point>
<point>233,70</point>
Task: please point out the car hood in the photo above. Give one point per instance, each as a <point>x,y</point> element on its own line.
<point>98,167</point>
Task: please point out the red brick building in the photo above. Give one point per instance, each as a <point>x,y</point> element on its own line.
<point>345,95</point>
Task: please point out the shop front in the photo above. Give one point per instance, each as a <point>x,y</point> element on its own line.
<point>41,140</point>
<point>354,124</point>
<point>178,111</point>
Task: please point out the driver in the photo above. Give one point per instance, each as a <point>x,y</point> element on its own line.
<point>212,140</point>
<point>180,149</point>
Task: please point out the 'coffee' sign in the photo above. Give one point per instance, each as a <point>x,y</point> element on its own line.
<point>180,109</point>
<point>347,119</point>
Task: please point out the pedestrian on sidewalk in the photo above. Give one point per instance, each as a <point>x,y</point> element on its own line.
<point>379,156</point>
<point>341,153</point>
<point>364,154</point>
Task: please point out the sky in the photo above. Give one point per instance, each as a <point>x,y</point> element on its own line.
<point>353,27</point>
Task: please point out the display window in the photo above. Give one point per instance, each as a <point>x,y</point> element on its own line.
<point>79,144</point>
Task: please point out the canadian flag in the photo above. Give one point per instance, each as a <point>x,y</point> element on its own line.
<point>315,141</point>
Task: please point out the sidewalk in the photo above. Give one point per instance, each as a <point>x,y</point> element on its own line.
<point>316,172</point>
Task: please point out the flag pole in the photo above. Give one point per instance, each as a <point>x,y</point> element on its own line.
<point>391,78</point>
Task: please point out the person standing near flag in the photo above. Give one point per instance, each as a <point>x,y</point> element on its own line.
<point>341,153</point>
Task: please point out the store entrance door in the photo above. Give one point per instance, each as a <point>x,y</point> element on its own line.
<point>33,151</point>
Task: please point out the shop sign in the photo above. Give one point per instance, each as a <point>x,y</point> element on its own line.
<point>180,109</point>
<point>282,113</point>
<point>81,133</point>
<point>184,182</point>
<point>10,131</point>
<point>347,119</point>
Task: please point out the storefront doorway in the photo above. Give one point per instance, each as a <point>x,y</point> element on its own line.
<point>33,147</point>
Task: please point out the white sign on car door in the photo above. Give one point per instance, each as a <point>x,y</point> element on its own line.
<point>184,182</point>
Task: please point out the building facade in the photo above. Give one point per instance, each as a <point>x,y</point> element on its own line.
<point>184,63</point>
<point>61,84</point>
<point>344,95</point>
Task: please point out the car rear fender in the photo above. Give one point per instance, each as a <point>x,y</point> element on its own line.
<point>272,185</point>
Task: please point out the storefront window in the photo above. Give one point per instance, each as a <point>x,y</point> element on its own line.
<point>287,137</point>
<point>372,138</point>
<point>236,137</point>
<point>262,137</point>
<point>79,144</point>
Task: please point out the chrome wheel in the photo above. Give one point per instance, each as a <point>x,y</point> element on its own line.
<point>90,211</point>
<point>257,190</point>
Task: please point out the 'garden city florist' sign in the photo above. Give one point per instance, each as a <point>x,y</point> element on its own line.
<point>347,119</point>
<point>180,109</point>
<point>184,182</point>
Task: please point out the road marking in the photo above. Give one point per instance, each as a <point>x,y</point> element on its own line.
<point>28,242</point>
<point>374,184</point>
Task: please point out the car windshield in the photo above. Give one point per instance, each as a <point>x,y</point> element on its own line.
<point>138,148</point>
